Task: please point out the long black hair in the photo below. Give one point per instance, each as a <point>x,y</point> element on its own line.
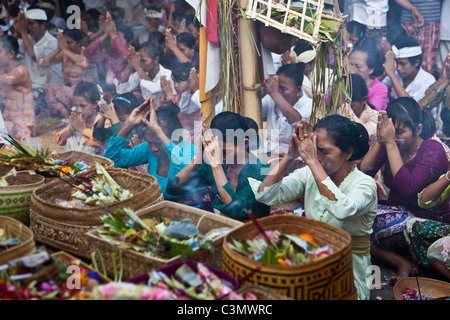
<point>346,135</point>
<point>407,111</point>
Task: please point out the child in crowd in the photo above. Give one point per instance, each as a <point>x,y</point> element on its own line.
<point>78,134</point>
<point>284,106</point>
<point>185,82</point>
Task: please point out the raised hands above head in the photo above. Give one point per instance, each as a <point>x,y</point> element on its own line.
<point>139,114</point>
<point>194,81</point>
<point>304,142</point>
<point>134,58</point>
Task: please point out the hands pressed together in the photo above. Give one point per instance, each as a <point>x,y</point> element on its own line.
<point>303,143</point>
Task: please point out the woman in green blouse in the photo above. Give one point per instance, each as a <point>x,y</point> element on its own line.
<point>334,190</point>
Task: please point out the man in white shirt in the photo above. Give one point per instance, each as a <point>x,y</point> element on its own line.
<point>144,71</point>
<point>403,69</point>
<point>35,43</point>
<point>283,107</point>
<point>371,13</point>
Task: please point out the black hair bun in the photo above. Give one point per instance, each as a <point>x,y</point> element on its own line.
<point>362,142</point>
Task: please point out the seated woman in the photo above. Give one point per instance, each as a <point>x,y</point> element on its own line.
<point>165,158</point>
<point>76,68</point>
<point>78,134</point>
<point>334,190</point>
<point>16,91</point>
<point>428,239</point>
<point>367,61</point>
<point>411,162</point>
<point>226,169</point>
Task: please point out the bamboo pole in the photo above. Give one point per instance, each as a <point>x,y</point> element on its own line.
<point>250,83</point>
<point>206,98</point>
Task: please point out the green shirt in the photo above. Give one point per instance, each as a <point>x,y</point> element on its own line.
<point>242,199</point>
<point>435,202</point>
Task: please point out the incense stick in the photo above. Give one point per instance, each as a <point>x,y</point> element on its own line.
<point>259,227</point>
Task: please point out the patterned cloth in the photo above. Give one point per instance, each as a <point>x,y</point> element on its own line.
<point>389,224</point>
<point>421,234</point>
<point>428,37</point>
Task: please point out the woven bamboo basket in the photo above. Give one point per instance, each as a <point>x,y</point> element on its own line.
<point>330,278</point>
<point>260,292</point>
<point>428,287</point>
<point>65,228</point>
<point>16,228</point>
<point>15,199</point>
<point>261,10</point>
<point>136,263</point>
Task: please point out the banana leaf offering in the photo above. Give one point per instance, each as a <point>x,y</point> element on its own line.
<point>22,157</point>
<point>101,190</point>
<point>329,28</point>
<point>283,249</point>
<point>155,236</point>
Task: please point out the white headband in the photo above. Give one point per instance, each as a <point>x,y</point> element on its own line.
<point>153,14</point>
<point>35,14</point>
<point>406,52</point>
<point>304,57</point>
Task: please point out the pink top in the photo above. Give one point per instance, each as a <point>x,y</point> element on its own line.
<point>107,58</point>
<point>378,95</point>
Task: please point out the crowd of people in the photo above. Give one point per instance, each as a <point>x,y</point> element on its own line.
<point>125,85</point>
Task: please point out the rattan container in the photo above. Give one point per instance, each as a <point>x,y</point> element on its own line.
<point>65,228</point>
<point>15,229</point>
<point>330,278</point>
<point>427,286</point>
<point>15,199</point>
<point>137,263</point>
